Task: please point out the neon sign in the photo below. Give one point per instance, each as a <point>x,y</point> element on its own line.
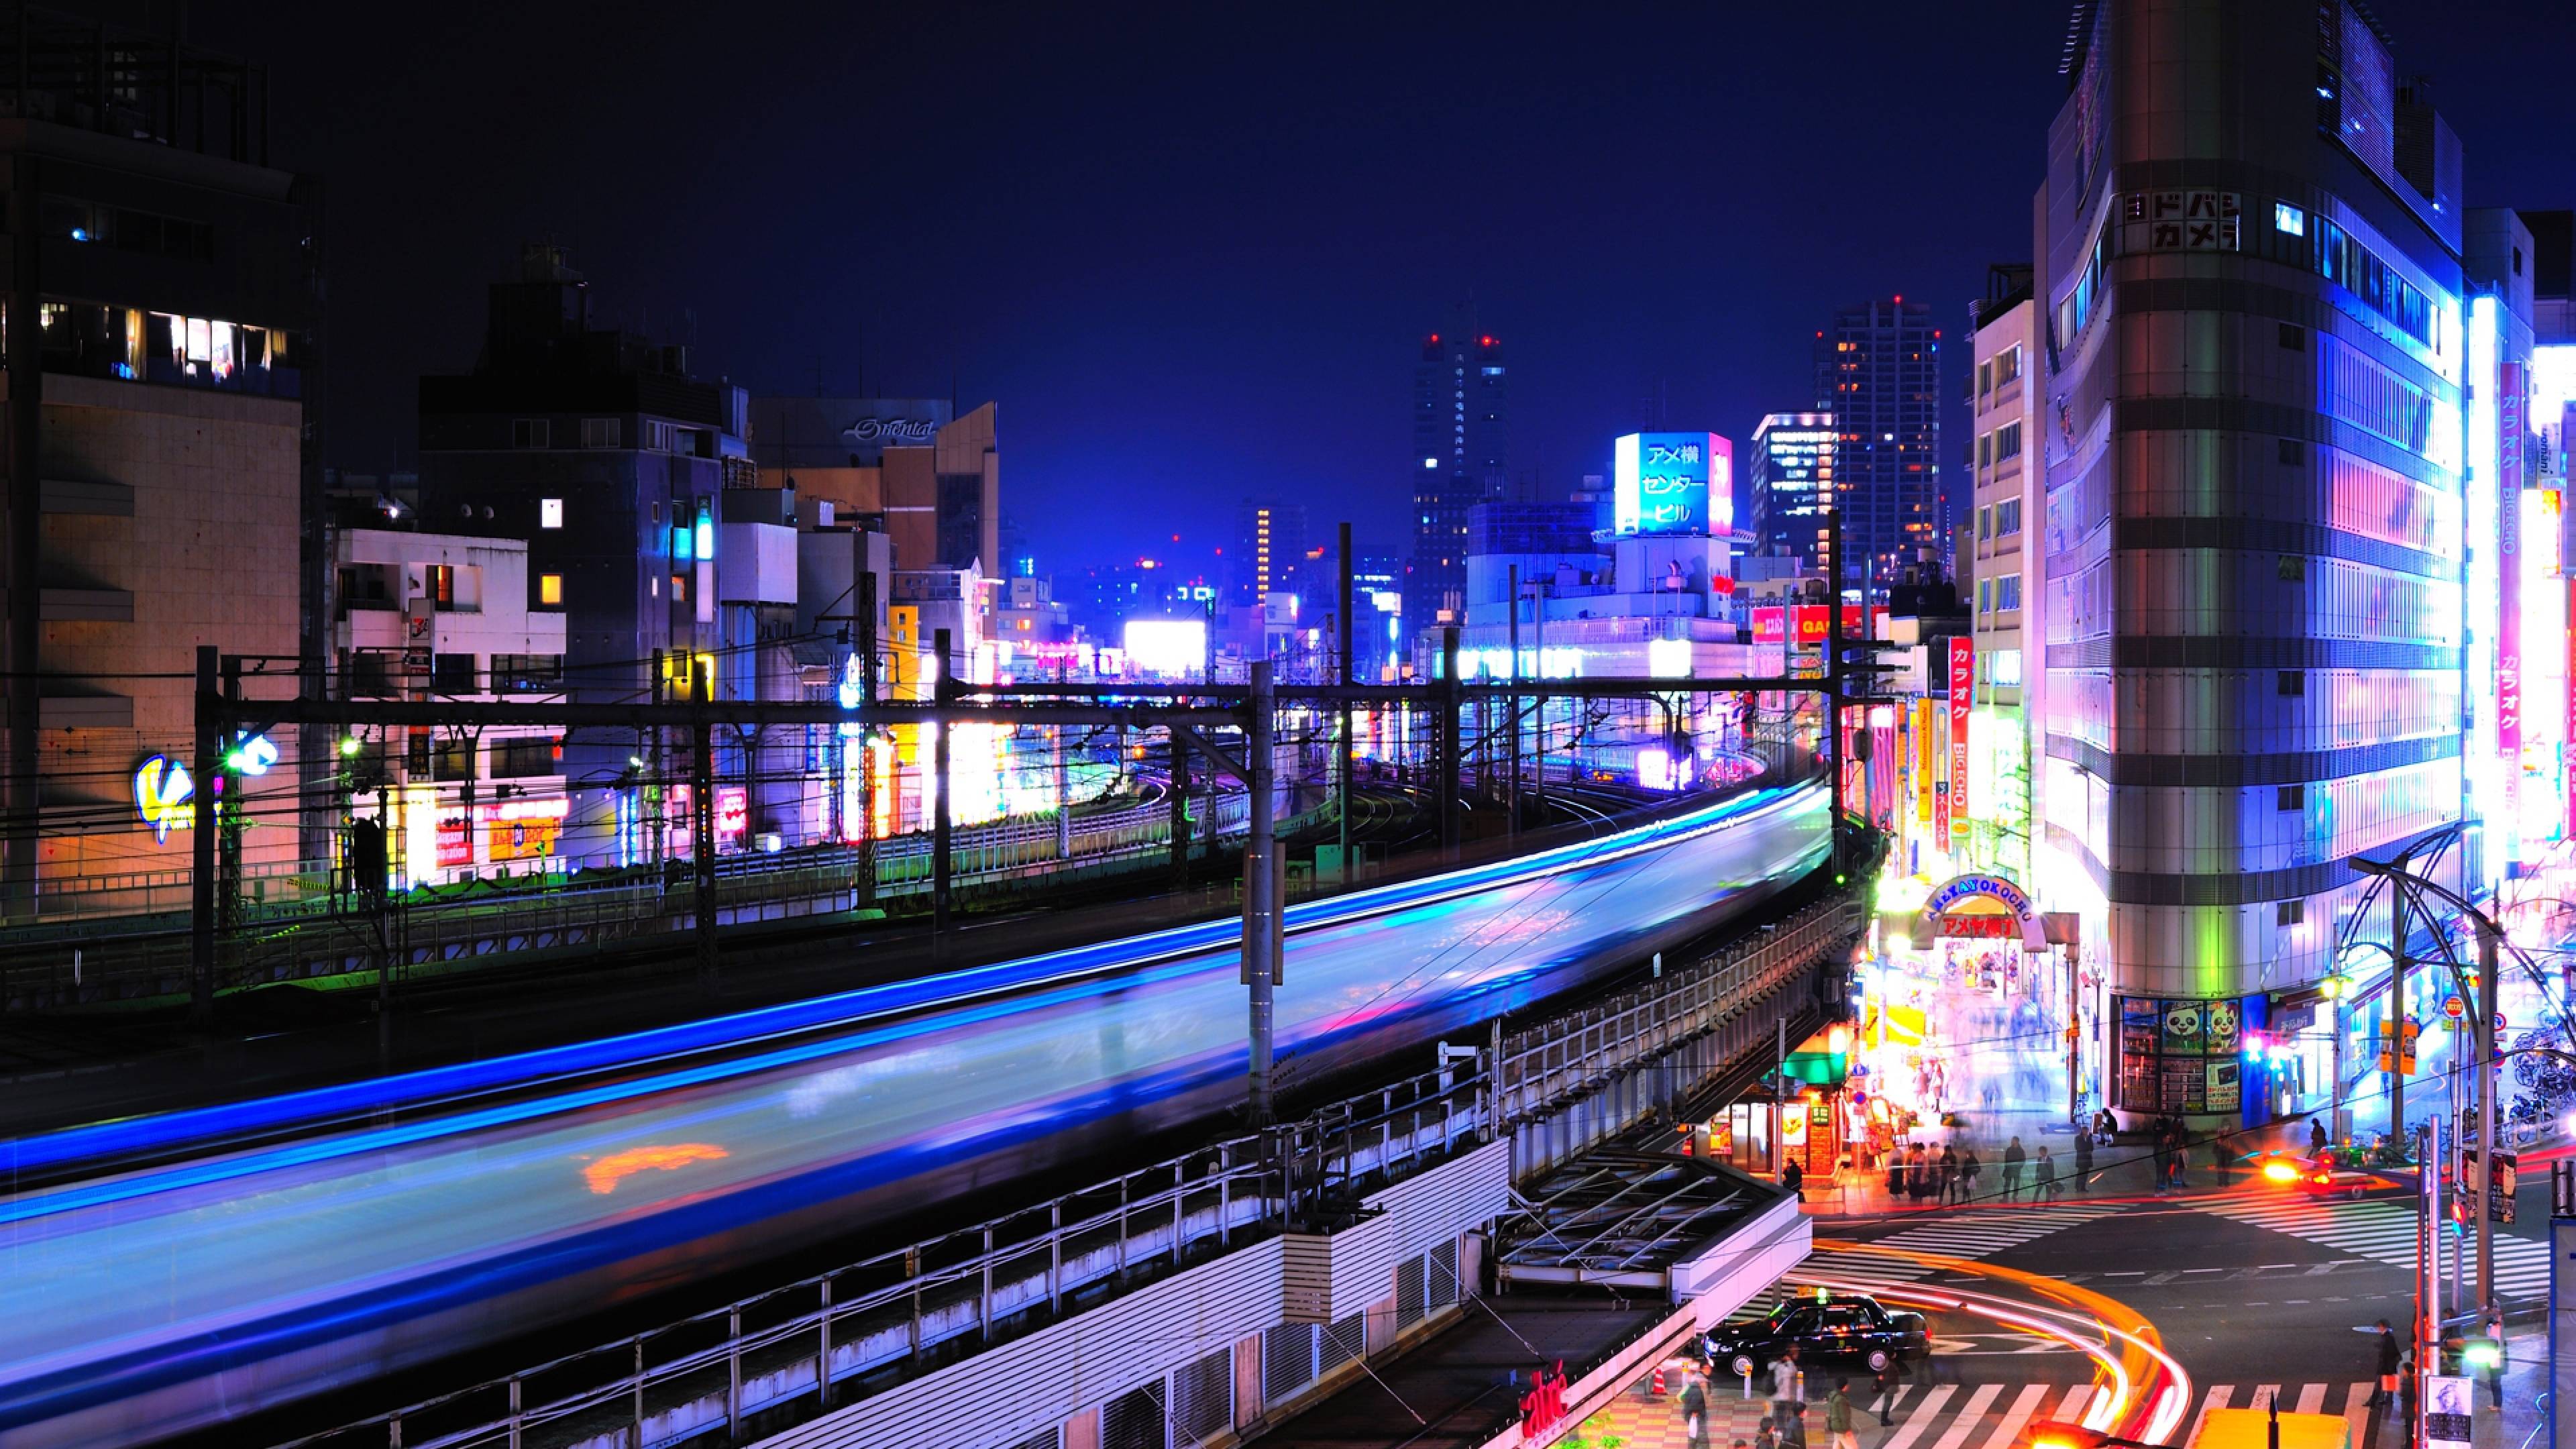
<point>162,792</point>
<point>1673,483</point>
<point>251,755</point>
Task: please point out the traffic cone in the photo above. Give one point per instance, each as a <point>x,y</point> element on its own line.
<point>1656,1389</point>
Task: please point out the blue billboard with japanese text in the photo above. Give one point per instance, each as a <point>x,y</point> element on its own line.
<point>1673,483</point>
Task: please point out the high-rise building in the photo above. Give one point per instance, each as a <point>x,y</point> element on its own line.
<point>1792,485</point>
<point>164,463</point>
<point>1458,461</point>
<point>2253,359</point>
<point>1999,572</point>
<point>1269,554</point>
<point>1878,371</point>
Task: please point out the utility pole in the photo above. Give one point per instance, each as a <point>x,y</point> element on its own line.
<point>2485,1036</point>
<point>1831,740</point>
<point>1264,964</point>
<point>941,835</point>
<point>1342,735</point>
<point>702,810</point>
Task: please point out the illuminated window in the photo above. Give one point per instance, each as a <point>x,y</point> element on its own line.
<point>550,590</point>
<point>2289,220</point>
<point>679,588</point>
<point>549,513</point>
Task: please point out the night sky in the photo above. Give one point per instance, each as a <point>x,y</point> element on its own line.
<point>1189,251</point>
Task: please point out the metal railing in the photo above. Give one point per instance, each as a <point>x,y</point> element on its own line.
<point>811,1342</point>
<point>306,940</point>
<point>1559,1060</point>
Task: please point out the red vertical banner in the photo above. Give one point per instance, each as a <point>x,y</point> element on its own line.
<point>2510,429</point>
<point>1963,693</point>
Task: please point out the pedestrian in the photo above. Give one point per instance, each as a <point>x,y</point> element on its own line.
<point>2083,1159</point>
<point>1969,1167</point>
<point>1794,1179</point>
<point>2046,1172</point>
<point>2316,1138</point>
<point>1918,1171</point>
<point>1695,1413</point>
<point>1767,1435</point>
<point>1784,1386</point>
<point>2014,1157</point>
<point>2406,1393</point>
<point>2218,1156</point>
<point>2495,1371</point>
<point>1891,1382</point>
<point>1947,1172</point>
<point>2383,1394</point>
<point>2161,1149</point>
<point>1793,1429</point>
<point>1838,1418</point>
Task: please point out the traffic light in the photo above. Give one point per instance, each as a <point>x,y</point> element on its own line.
<point>350,745</point>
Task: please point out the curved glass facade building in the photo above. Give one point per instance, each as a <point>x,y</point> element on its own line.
<point>2254,350</point>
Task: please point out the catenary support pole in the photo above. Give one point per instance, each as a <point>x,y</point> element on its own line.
<point>201,843</point>
<point>942,835</point>
<point>1448,732</point>
<point>1512,715</point>
<point>867,637</point>
<point>1345,671</point>
<point>1261,964</point>
<point>1178,832</point>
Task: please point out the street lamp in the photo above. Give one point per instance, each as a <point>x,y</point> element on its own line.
<point>2479,1000</point>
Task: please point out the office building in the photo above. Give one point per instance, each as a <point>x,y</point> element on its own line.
<point>1878,371</point>
<point>2254,354</point>
<point>1460,449</point>
<point>454,805</point>
<point>164,452</point>
<point>910,468</point>
<point>603,452</point>
<point>2000,574</point>
<point>1269,554</point>
<point>1791,485</point>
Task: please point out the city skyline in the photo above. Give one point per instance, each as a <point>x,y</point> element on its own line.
<point>1333,211</point>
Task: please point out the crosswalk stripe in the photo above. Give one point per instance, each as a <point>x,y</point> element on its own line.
<point>2215,1399</point>
<point>1920,1419</point>
<point>2024,1404</point>
<point>2356,1412</point>
<point>1966,1423</point>
<point>2385,1232</point>
<point>2078,1399</point>
<point>2312,1398</point>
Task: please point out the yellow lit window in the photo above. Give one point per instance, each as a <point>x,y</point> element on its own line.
<point>550,589</point>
